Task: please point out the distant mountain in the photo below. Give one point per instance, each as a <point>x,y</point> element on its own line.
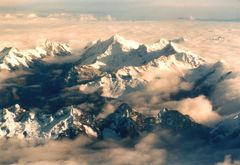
<point>117,64</point>
<point>13,58</point>
<point>117,53</point>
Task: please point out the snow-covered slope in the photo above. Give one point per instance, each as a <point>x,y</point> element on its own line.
<point>12,58</point>
<point>117,52</point>
<point>72,121</point>
<point>117,65</point>
<point>67,122</point>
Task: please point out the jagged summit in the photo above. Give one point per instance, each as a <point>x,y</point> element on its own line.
<point>67,122</point>
<point>121,40</point>
<point>117,52</point>
<point>73,121</point>
<point>53,48</point>
<point>109,55</point>
<point>174,119</point>
<point>12,58</point>
<point>8,50</point>
<point>159,44</point>
<point>115,46</point>
<point>117,64</point>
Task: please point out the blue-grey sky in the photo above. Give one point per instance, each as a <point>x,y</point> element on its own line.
<point>130,9</point>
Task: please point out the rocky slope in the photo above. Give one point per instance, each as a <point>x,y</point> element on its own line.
<point>73,121</point>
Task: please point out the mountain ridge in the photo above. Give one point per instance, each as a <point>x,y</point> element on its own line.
<point>115,60</point>
<point>52,95</point>
<point>12,58</point>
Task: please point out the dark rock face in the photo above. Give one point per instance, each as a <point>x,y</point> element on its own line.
<point>74,121</point>
<point>120,122</point>
<point>126,122</point>
<point>227,130</point>
<point>180,123</point>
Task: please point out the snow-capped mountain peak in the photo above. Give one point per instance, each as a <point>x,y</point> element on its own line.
<point>102,51</point>
<point>72,122</point>
<point>13,58</point>
<point>67,122</point>
<point>119,64</point>
<point>8,50</point>
<point>117,52</point>
<point>160,44</point>
<point>117,39</point>
<point>53,48</point>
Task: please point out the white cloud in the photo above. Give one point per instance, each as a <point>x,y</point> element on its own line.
<point>199,109</point>
<point>67,152</point>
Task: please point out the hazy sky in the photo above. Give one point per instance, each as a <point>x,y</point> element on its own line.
<point>130,9</point>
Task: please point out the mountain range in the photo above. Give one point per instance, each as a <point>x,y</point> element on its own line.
<point>57,100</point>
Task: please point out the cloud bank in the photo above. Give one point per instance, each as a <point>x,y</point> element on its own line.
<point>157,148</point>
<point>199,109</point>
<point>125,9</point>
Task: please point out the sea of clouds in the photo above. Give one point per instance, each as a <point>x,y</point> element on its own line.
<point>160,147</point>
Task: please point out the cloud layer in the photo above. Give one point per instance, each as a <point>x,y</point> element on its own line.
<point>157,148</point>
<point>126,9</point>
